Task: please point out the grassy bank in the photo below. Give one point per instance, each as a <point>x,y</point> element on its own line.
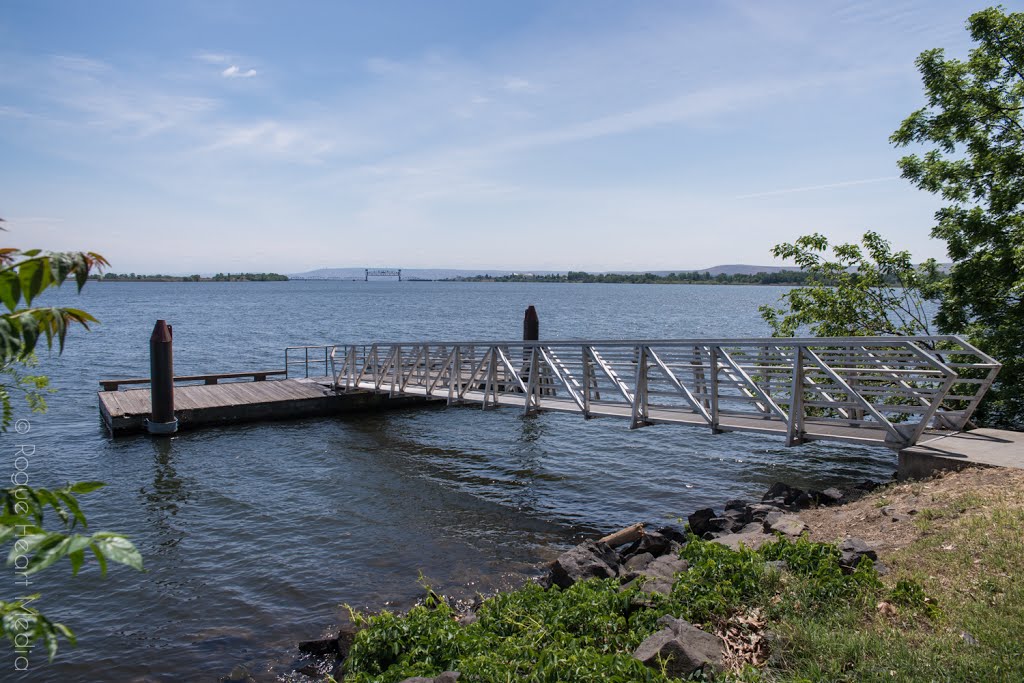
<point>951,606</point>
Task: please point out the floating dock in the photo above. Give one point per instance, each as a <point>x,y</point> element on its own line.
<point>221,403</point>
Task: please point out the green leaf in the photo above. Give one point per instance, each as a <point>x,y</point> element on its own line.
<point>10,288</point>
<point>82,487</point>
<point>77,558</point>
<point>99,558</point>
<point>25,545</point>
<point>117,548</point>
<point>35,277</point>
<point>47,555</point>
<point>72,504</point>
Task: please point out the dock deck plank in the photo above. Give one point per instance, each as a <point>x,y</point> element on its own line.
<point>233,402</point>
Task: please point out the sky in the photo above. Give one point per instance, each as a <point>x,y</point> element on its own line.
<point>201,136</point>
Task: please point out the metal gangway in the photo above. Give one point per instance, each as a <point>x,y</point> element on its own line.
<point>869,390</point>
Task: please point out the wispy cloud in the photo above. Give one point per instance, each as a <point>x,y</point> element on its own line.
<point>234,72</point>
<point>811,188</point>
<point>213,57</point>
<point>298,142</point>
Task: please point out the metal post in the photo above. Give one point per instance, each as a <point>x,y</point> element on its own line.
<point>161,381</point>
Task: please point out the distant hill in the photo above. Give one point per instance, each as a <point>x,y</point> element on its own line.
<point>449,273</point>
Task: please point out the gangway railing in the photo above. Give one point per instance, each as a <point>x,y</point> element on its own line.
<point>308,361</point>
<point>874,390</point>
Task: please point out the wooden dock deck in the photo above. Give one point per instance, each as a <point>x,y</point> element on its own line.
<point>233,402</point>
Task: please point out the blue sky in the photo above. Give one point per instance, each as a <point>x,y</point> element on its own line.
<point>204,136</point>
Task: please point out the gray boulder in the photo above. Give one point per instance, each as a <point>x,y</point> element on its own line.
<point>830,496</point>
<point>758,512</point>
<point>588,560</point>
<point>787,525</point>
<point>637,563</point>
<point>682,648</point>
<point>752,539</point>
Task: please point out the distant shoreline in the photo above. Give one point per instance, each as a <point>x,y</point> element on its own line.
<point>219,277</point>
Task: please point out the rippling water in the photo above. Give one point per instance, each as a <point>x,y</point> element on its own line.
<point>254,536</point>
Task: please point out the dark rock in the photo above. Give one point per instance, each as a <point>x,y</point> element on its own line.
<point>681,648</point>
<point>698,521</point>
<point>738,518</point>
<point>759,511</point>
<point>719,525</point>
<point>654,542</point>
<point>346,636</point>
<point>852,549</point>
<point>448,677</point>
<point>319,648</point>
<point>803,500</point>
<point>752,528</point>
<point>867,485</point>
<point>310,670</point>
<point>785,492</point>
<point>418,679</point>
<point>588,560</point>
<point>735,504</point>
<point>673,534</point>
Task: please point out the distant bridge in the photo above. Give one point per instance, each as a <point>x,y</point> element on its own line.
<point>383,272</point>
<point>887,391</point>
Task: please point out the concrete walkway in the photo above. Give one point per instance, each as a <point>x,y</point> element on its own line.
<point>976,448</point>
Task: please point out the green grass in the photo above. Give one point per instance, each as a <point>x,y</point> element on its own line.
<point>957,608</point>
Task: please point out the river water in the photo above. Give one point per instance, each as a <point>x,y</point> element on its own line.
<point>255,536</point>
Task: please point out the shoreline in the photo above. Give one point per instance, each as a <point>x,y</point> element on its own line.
<point>838,585</point>
<point>642,553</point>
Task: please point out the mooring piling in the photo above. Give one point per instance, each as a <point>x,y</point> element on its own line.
<point>531,325</point>
<point>161,376</point>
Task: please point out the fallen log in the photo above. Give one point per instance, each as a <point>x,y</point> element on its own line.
<point>623,536</point>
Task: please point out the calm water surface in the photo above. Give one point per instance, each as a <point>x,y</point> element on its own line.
<point>255,536</point>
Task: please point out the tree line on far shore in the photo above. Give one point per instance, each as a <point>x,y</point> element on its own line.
<point>219,277</point>
<point>784,277</point>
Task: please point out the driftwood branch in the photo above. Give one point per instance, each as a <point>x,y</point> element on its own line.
<point>623,536</point>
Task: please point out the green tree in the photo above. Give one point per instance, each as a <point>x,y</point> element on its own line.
<point>24,275</point>
<point>857,290</point>
<point>972,129</point>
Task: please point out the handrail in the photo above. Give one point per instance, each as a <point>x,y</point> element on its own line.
<point>257,376</point>
<point>882,390</point>
<point>305,361</point>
